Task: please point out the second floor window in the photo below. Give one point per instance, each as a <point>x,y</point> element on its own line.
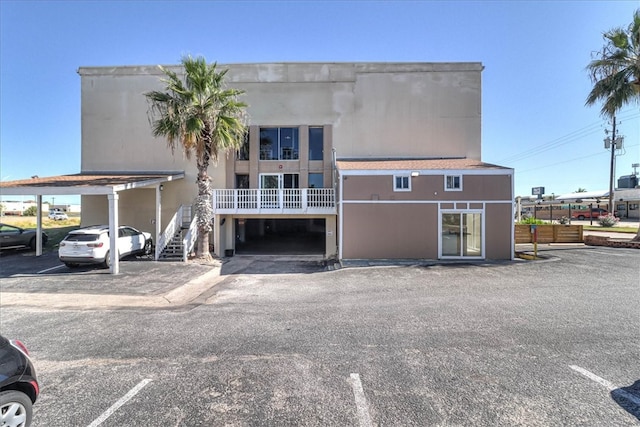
<point>401,183</point>
<point>279,144</point>
<point>453,183</point>
<point>316,143</point>
<point>243,151</point>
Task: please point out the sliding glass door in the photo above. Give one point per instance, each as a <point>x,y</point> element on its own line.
<point>461,234</point>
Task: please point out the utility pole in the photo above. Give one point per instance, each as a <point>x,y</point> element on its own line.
<point>612,167</point>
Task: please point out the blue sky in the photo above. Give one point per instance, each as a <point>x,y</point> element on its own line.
<point>534,82</point>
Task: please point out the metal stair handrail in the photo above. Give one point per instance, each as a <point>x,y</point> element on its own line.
<point>174,225</point>
<point>190,238</point>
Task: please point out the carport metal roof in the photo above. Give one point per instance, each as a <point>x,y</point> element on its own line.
<point>85,183</point>
<point>96,183</point>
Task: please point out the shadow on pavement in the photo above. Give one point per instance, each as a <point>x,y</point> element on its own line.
<point>628,398</point>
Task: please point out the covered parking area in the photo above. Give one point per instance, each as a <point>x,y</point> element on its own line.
<point>108,184</point>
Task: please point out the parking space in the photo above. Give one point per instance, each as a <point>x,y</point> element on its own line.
<point>523,343</point>
<point>23,272</point>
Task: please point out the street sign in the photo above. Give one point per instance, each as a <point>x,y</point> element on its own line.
<point>537,191</point>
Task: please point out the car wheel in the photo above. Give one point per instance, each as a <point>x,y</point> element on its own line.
<point>147,247</point>
<point>581,217</point>
<point>107,259</point>
<point>15,409</point>
<point>32,243</point>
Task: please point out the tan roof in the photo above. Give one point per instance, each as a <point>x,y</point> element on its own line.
<point>414,164</point>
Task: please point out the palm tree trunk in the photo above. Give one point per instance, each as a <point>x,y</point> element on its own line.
<point>204,211</point>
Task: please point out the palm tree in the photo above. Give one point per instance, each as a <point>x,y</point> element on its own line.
<point>204,118</point>
<point>615,73</point>
<point>615,70</point>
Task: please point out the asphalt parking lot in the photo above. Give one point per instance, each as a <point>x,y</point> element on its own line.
<point>548,342</point>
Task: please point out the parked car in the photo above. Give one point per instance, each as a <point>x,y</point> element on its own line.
<point>90,245</point>
<point>16,237</point>
<point>19,386</point>
<point>57,215</point>
<point>595,213</point>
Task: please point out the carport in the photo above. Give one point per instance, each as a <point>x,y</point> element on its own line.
<point>109,184</point>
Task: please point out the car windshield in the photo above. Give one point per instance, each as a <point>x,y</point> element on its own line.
<point>81,237</point>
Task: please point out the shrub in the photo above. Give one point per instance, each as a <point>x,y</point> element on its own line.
<point>30,211</point>
<point>532,221</point>
<point>608,220</point>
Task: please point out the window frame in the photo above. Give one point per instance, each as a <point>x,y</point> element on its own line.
<point>446,179</point>
<point>395,182</point>
<point>295,148</point>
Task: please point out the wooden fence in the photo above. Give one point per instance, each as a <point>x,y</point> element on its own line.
<point>550,233</point>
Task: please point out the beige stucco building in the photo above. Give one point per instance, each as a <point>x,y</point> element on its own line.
<point>347,160</point>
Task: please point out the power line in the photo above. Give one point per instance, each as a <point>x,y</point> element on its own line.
<point>566,139</point>
<point>569,161</point>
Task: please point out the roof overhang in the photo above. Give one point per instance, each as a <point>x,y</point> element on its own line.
<point>585,196</point>
<point>418,167</point>
<point>98,183</point>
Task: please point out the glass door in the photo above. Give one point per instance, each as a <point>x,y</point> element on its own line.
<point>270,185</point>
<point>461,234</point>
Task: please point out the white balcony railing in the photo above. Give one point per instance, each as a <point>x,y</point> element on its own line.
<point>287,201</point>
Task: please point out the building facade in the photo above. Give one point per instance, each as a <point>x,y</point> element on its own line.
<point>346,160</point>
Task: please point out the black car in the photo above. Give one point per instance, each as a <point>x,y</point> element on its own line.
<point>19,386</point>
<point>15,237</point>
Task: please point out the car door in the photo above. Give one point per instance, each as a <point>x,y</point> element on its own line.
<point>125,246</point>
<point>9,235</point>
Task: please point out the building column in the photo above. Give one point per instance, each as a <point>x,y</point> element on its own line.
<point>39,225</point>
<point>158,221</point>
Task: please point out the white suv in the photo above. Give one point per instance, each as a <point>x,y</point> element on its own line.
<point>90,245</point>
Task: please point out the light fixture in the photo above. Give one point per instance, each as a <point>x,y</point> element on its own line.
<point>161,187</point>
<point>415,173</point>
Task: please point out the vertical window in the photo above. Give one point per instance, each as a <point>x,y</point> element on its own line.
<point>453,183</point>
<point>243,151</point>
<point>269,143</point>
<point>289,144</point>
<point>401,183</point>
<point>279,144</point>
<point>316,180</point>
<point>316,143</point>
<point>242,181</point>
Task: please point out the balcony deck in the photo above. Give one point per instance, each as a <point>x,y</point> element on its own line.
<point>306,201</point>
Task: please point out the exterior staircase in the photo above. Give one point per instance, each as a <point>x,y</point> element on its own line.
<point>175,248</point>
<point>180,232</point>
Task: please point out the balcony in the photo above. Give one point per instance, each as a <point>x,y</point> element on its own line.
<point>312,201</point>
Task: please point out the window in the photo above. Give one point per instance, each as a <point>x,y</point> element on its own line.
<point>316,180</point>
<point>279,144</point>
<point>242,181</point>
<point>453,183</point>
<point>316,143</point>
<point>243,151</point>
<point>401,183</point>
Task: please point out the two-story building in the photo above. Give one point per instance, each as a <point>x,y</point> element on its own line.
<point>346,160</point>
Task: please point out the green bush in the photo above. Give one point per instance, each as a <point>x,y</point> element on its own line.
<point>532,221</point>
<point>30,211</point>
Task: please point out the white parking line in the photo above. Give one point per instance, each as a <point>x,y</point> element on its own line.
<point>361,401</point>
<point>630,397</point>
<point>106,414</point>
<point>49,269</point>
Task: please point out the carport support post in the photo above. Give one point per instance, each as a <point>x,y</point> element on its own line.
<point>39,225</point>
<point>113,233</point>
<point>156,255</point>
